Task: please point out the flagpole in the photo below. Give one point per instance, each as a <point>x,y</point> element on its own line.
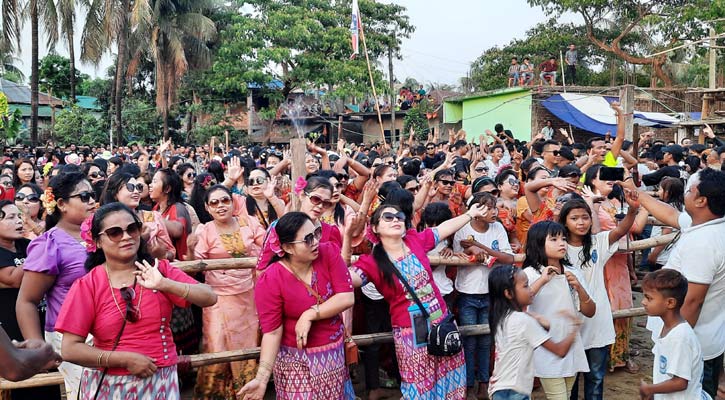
<point>372,82</point>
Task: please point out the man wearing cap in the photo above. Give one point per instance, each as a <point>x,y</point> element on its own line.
<point>672,156</point>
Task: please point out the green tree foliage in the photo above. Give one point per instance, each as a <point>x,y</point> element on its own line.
<point>647,25</point>
<point>490,70</point>
<point>304,44</point>
<point>140,121</point>
<point>416,120</point>
<point>76,125</point>
<point>54,75</point>
<point>100,89</point>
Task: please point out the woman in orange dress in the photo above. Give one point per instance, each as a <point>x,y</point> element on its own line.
<point>230,324</point>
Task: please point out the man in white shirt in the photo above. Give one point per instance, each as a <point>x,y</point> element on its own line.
<point>699,254</point>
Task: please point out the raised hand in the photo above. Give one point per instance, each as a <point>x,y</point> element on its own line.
<point>707,130</point>
<point>632,198</point>
<point>149,276</point>
<point>617,108</point>
<point>234,169</point>
<point>563,184</point>
<point>269,189</point>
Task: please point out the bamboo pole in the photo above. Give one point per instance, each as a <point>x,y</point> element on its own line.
<point>251,262</point>
<point>372,84</point>
<point>199,360</point>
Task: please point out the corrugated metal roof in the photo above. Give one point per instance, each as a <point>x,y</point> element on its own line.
<point>88,103</point>
<point>20,94</point>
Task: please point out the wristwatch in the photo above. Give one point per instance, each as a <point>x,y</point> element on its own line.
<point>316,308</point>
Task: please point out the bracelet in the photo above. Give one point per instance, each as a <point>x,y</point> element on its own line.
<point>469,216</point>
<point>108,358</point>
<point>186,293</point>
<point>100,357</point>
<point>589,300</point>
<point>265,365</point>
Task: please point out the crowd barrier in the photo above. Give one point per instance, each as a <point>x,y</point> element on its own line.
<point>198,360</point>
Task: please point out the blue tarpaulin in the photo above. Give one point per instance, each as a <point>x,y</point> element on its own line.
<point>592,113</point>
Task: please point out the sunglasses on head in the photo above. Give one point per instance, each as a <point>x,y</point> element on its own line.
<point>115,233</point>
<point>316,201</point>
<point>311,238</point>
<point>132,312</point>
<point>97,174</point>
<point>260,180</point>
<point>447,182</point>
<point>214,203</point>
<point>84,196</point>
<point>390,216</point>
<point>137,187</point>
<point>33,198</point>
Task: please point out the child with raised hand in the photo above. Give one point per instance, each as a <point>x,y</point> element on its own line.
<point>588,253</point>
<point>517,333</point>
<point>557,288</point>
<point>677,370</point>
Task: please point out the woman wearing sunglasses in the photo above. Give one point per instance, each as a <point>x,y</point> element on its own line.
<point>123,187</point>
<point>261,200</point>
<point>125,302</point>
<point>187,173</point>
<point>55,260</point>
<point>232,323</point>
<point>299,298</point>
<point>423,376</point>
<point>13,247</point>
<point>27,199</point>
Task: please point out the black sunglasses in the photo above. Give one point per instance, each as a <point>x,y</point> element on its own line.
<point>447,182</point>
<point>389,216</point>
<point>481,169</point>
<point>191,175</point>
<point>430,148</point>
<point>115,233</point>
<point>260,180</point>
<point>84,196</point>
<point>33,198</point>
<point>225,201</point>
<point>97,174</point>
<point>131,187</point>
<point>316,201</point>
<point>311,238</point>
<point>128,294</point>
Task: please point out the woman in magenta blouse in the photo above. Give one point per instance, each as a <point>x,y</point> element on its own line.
<point>125,303</point>
<point>299,300</point>
<point>423,376</point>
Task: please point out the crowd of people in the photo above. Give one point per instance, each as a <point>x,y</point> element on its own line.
<point>370,239</point>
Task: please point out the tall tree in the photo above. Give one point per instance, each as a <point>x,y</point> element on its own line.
<point>54,74</point>
<point>34,37</point>
<point>10,27</point>
<point>179,33</point>
<point>59,19</point>
<point>673,21</point>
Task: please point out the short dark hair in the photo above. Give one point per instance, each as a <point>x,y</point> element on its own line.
<point>436,213</point>
<point>550,143</point>
<point>514,58</point>
<point>498,128</point>
<point>711,184</point>
<point>669,283</point>
<point>444,172</point>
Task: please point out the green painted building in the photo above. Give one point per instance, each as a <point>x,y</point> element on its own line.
<point>480,111</point>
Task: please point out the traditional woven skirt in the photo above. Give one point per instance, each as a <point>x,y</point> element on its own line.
<point>425,376</point>
<point>163,385</point>
<point>313,373</point>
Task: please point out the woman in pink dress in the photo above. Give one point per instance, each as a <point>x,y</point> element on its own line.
<point>232,323</point>
<point>299,297</point>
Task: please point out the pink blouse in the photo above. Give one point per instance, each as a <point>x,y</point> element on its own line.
<point>90,308</point>
<point>210,246</point>
<point>281,298</point>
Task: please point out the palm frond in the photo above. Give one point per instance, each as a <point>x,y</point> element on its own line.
<point>48,16</point>
<point>10,26</point>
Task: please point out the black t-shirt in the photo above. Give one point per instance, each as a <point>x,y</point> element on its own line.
<point>430,162</point>
<point>9,296</point>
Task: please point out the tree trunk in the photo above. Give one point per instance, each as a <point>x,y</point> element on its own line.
<point>121,71</point>
<point>165,116</point>
<point>34,73</point>
<point>72,56</point>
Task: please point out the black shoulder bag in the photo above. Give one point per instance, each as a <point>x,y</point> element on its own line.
<point>443,338</point>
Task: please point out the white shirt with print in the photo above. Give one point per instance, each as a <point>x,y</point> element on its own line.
<point>473,279</point>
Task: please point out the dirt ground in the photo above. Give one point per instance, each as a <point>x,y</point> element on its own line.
<point>617,385</point>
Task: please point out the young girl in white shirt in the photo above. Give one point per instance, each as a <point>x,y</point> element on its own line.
<point>589,253</point>
<point>517,333</point>
<point>558,288</point>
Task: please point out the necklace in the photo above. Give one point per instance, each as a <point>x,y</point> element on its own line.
<point>137,308</point>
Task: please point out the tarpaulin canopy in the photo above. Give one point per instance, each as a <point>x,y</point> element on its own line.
<point>592,113</point>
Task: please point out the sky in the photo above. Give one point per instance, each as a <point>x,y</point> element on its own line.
<point>448,37</point>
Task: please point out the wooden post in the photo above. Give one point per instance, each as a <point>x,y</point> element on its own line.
<point>339,132</point>
<point>392,90</point>
<point>706,97</point>
<point>626,100</point>
<point>299,149</point>
<point>713,60</point>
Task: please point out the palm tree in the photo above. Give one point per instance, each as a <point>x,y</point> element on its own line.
<point>179,33</point>
<point>107,23</point>
<point>10,29</point>
<point>33,11</point>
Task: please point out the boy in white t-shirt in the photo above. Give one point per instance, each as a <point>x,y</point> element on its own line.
<point>677,369</point>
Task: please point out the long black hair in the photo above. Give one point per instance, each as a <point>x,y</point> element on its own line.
<point>501,279</point>
<point>98,257</point>
<point>578,204</point>
<point>402,199</point>
<point>287,228</point>
<point>202,182</point>
<point>113,186</point>
<point>673,192</point>
<point>339,211</point>
<point>171,185</point>
<point>536,244</point>
<point>62,186</point>
<point>18,164</point>
<point>379,254</point>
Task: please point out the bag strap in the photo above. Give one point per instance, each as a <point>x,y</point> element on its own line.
<point>105,370</point>
<point>410,290</point>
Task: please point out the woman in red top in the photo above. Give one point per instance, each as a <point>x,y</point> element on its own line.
<point>126,305</point>
<point>299,300</point>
